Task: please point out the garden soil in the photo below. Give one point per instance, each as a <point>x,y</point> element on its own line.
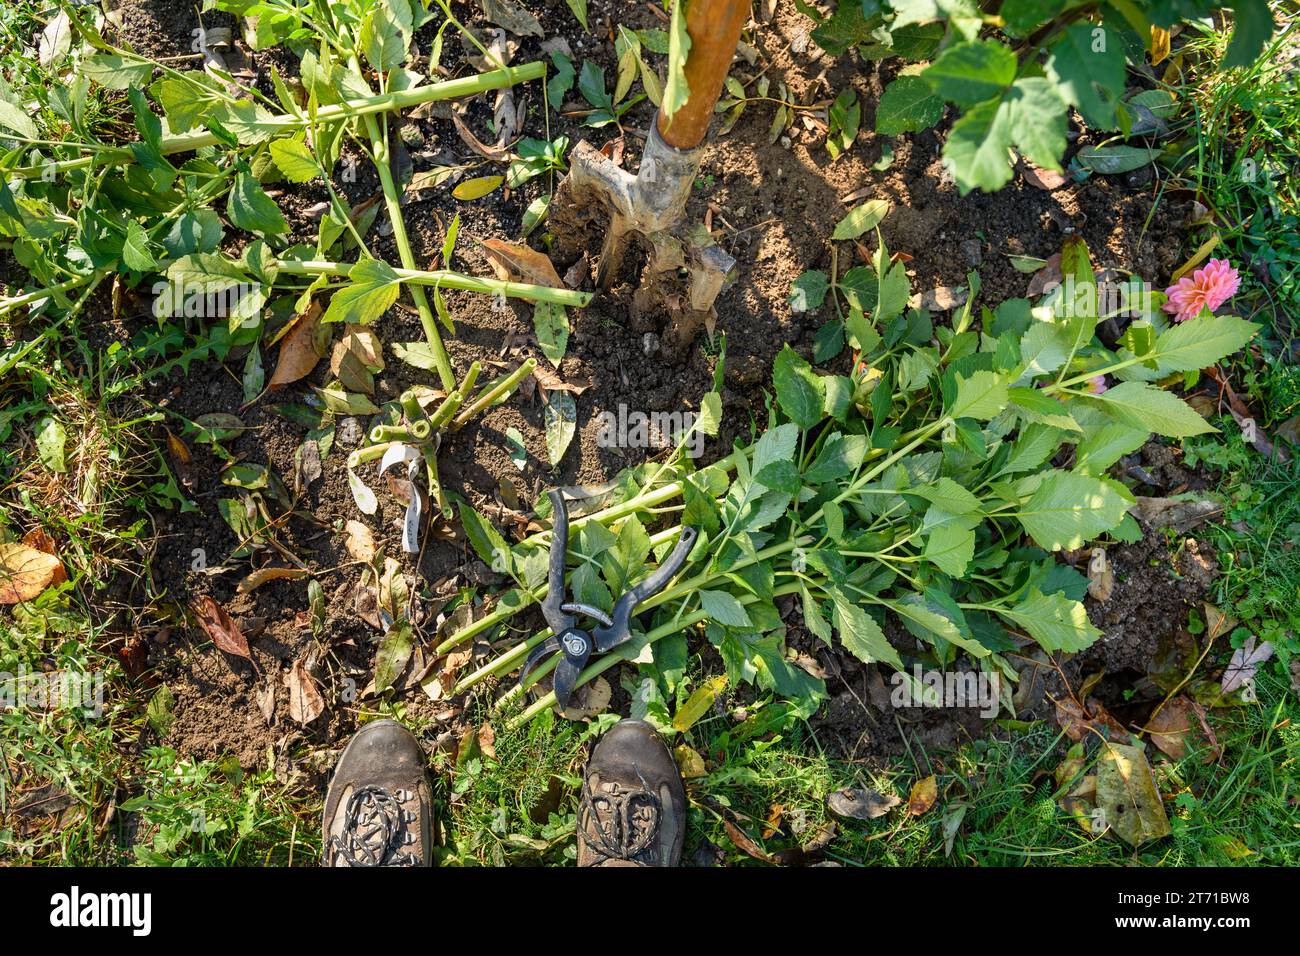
<point>772,205</point>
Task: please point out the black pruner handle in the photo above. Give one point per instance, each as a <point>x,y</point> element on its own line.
<point>552,604</point>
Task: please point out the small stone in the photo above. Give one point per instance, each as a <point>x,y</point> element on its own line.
<point>973,251</point>
<point>349,433</point>
<point>649,344</point>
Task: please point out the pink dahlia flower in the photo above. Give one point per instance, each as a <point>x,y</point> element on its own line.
<point>1208,288</point>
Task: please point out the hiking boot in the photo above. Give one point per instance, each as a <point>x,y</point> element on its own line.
<point>379,808</point>
<point>633,807</point>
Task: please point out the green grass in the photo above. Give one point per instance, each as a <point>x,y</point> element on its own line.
<point>1240,154</point>
<point>1240,809</point>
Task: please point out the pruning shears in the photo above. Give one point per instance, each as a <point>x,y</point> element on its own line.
<point>575,643</point>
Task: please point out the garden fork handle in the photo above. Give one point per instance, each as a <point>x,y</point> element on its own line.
<point>714,27</point>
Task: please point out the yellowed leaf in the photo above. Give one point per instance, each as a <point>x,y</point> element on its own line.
<point>261,576</point>
<point>26,571</point>
<point>1199,256</point>
<point>1159,45</point>
<point>689,762</point>
<point>477,188</point>
<point>360,543</point>
<point>924,793</point>
<point>699,703</point>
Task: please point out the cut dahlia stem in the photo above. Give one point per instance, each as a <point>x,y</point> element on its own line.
<point>496,392</point>
<point>604,663</point>
<point>392,433</point>
<point>446,280</point>
<point>369,453</point>
<point>504,611</point>
<point>442,414</point>
<point>514,656</point>
<point>286,122</point>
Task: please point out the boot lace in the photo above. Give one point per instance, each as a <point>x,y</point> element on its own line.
<point>375,828</point>
<point>620,823</point>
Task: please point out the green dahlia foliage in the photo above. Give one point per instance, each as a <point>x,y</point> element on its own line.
<point>1015,73</point>
<point>933,487</point>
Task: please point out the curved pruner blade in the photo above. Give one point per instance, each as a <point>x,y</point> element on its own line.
<point>619,631</point>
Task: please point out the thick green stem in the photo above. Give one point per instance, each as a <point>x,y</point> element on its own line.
<point>496,392</point>
<point>393,203</point>
<point>364,106</point>
<point>446,280</point>
<point>430,453</point>
<point>36,295</point>
<point>514,657</point>
<point>603,664</point>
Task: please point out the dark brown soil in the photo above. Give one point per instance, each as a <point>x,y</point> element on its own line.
<point>774,207</point>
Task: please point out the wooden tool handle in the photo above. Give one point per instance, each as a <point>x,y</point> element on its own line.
<point>714,27</point>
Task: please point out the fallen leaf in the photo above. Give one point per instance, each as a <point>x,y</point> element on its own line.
<point>1078,722</point>
<point>513,17</point>
<point>861,804</point>
<point>689,762</point>
<point>943,299</point>
<point>924,793</point>
<point>305,701</point>
<point>1046,277</point>
<point>773,821</point>
<point>134,657</point>
<point>699,703</point>
<point>1048,179</point>
<point>1177,515</point>
<point>26,571</point>
<point>744,842</point>
<point>477,188</point>
<point>953,815</point>
<point>261,576</point>
<point>1171,727</point>
<point>298,355</point>
<point>1101,576</point>
<point>487,738</point>
<point>221,628</point>
<point>1127,796</point>
<point>393,655</point>
<point>588,700</point>
<point>549,381</point>
<point>1245,659</point>
<point>40,539</point>
<point>497,154</point>
<point>516,262</point>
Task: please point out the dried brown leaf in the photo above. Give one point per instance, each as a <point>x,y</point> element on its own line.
<point>298,355</point>
<point>26,571</point>
<point>221,628</point>
<point>861,804</point>
<point>516,262</point>
<point>305,701</point>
